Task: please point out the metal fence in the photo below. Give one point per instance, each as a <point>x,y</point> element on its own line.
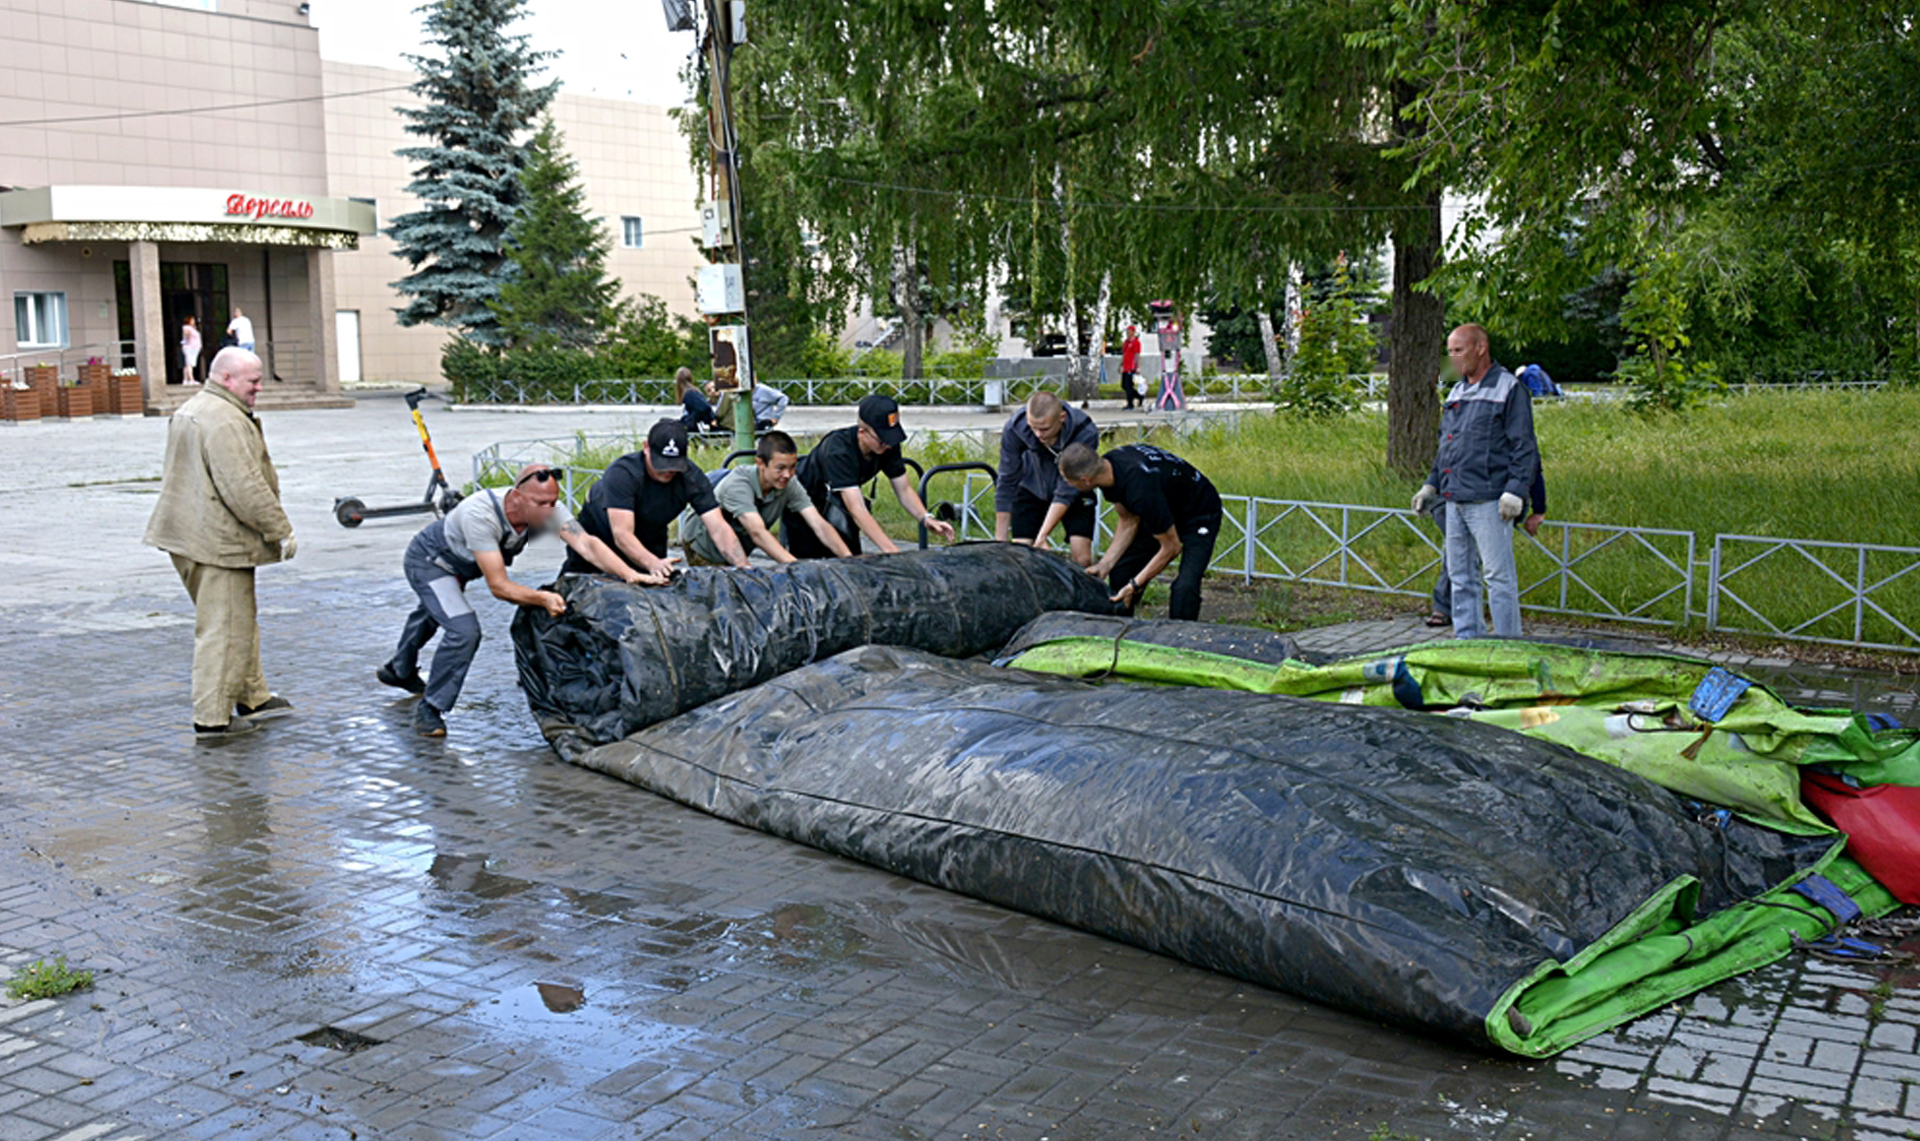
<point>934,390</point>
<point>1859,595</point>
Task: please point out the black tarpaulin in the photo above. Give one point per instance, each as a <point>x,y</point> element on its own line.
<point>1410,867</point>
<point>626,657</point>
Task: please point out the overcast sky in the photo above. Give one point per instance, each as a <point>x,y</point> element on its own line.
<point>618,51</point>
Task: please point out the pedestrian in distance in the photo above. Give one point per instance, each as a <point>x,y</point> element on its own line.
<point>1483,469</point>
<point>695,412</point>
<point>769,405</point>
<point>1166,510</point>
<point>189,351</point>
<point>836,469</point>
<point>1030,496</point>
<point>219,517</point>
<point>241,329</point>
<point>1130,368</point>
<point>478,539</point>
<point>632,507</point>
<point>754,500</point>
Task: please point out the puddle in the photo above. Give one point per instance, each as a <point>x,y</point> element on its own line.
<point>561,998</point>
<point>558,1017</point>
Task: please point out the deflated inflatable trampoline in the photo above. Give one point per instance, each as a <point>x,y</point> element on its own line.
<point>1428,870</point>
<point>625,657</point>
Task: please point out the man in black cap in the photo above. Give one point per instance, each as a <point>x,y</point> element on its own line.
<point>833,473</point>
<point>639,497</point>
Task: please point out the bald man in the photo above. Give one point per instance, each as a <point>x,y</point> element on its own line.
<point>219,517</point>
<point>1482,472</point>
<point>479,539</point>
<point>1030,496</point>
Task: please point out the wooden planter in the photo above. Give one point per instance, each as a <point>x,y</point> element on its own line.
<point>74,401</point>
<point>122,395</point>
<point>45,379</point>
<point>96,375</point>
<point>18,403</point>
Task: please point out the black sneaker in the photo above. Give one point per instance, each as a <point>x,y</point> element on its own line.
<point>412,682</point>
<point>427,721</point>
<point>238,727</point>
<point>273,706</point>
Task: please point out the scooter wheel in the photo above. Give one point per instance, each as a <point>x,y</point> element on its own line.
<point>348,512</point>
<point>447,502</point>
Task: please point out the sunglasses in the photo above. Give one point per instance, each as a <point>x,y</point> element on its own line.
<point>540,475</point>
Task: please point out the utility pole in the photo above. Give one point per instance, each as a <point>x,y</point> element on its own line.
<point>721,288</point>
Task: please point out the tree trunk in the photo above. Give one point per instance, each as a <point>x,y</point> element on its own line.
<point>1083,382</point>
<point>906,300</point>
<point>1417,342</point>
<point>1267,346</point>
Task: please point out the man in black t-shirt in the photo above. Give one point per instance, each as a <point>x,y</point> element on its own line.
<point>639,497</point>
<point>1166,509</point>
<point>833,473</point>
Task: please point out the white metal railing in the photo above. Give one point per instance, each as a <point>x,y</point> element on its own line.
<point>1849,594</point>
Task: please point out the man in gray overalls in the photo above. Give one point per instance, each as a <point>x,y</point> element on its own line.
<point>479,539</point>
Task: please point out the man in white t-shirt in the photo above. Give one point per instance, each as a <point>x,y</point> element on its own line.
<point>241,329</point>
<point>479,539</point>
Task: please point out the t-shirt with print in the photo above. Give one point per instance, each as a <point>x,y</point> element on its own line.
<point>655,505</point>
<point>740,494</point>
<point>837,463</point>
<point>1164,490</point>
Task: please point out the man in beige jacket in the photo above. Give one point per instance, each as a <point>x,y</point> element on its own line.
<point>219,516</point>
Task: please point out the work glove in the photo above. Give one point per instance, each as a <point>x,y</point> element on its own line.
<point>288,546</point>
<point>1424,496</point>
<point>1511,506</point>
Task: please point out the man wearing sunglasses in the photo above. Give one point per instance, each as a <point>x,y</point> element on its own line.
<point>479,539</point>
<point>641,496</point>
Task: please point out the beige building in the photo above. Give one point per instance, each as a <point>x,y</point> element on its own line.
<point>130,201</point>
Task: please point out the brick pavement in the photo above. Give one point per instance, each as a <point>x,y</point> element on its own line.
<point>333,876</point>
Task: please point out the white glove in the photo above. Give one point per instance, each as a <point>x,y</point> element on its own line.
<point>287,547</point>
<point>1510,506</point>
<point>1424,496</point>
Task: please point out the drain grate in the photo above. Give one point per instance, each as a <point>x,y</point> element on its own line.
<point>334,1038</point>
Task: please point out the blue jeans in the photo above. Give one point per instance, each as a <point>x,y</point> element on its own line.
<point>1477,537</point>
<point>442,609</point>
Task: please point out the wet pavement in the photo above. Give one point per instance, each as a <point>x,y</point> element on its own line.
<point>335,929</point>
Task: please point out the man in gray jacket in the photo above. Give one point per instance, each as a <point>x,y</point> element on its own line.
<point>1030,497</point>
<point>219,516</point>
<point>1483,471</point>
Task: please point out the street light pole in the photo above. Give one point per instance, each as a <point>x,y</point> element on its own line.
<point>724,147</point>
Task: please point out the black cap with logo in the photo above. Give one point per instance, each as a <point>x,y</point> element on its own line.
<point>882,414</point>
<point>667,446</point>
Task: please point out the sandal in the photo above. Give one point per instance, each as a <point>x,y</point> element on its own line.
<point>1437,620</point>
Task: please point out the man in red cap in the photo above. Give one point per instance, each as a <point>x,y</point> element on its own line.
<point>1130,366</point>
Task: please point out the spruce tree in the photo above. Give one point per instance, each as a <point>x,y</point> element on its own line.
<point>555,290</point>
<point>481,99</point>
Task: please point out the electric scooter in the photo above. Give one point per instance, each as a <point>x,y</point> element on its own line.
<point>439,499</point>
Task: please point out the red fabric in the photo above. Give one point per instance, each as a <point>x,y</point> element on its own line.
<point>1882,823</point>
<point>1130,354</point>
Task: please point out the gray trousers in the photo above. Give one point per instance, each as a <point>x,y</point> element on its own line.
<point>442,609</point>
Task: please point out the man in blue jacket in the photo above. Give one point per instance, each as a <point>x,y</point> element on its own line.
<point>1030,496</point>
<point>1483,470</point>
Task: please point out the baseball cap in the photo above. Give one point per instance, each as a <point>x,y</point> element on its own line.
<point>667,446</point>
<point>882,414</point>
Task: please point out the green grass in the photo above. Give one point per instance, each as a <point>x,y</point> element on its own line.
<point>42,979</point>
<point>1838,466</point>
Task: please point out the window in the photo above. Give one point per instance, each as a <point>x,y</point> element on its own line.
<point>630,232</point>
<point>40,320</point>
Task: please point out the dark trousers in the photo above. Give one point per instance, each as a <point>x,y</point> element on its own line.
<point>442,609</point>
<point>1196,551</point>
<point>802,543</point>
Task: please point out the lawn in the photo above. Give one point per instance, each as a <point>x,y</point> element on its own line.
<point>1837,466</point>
